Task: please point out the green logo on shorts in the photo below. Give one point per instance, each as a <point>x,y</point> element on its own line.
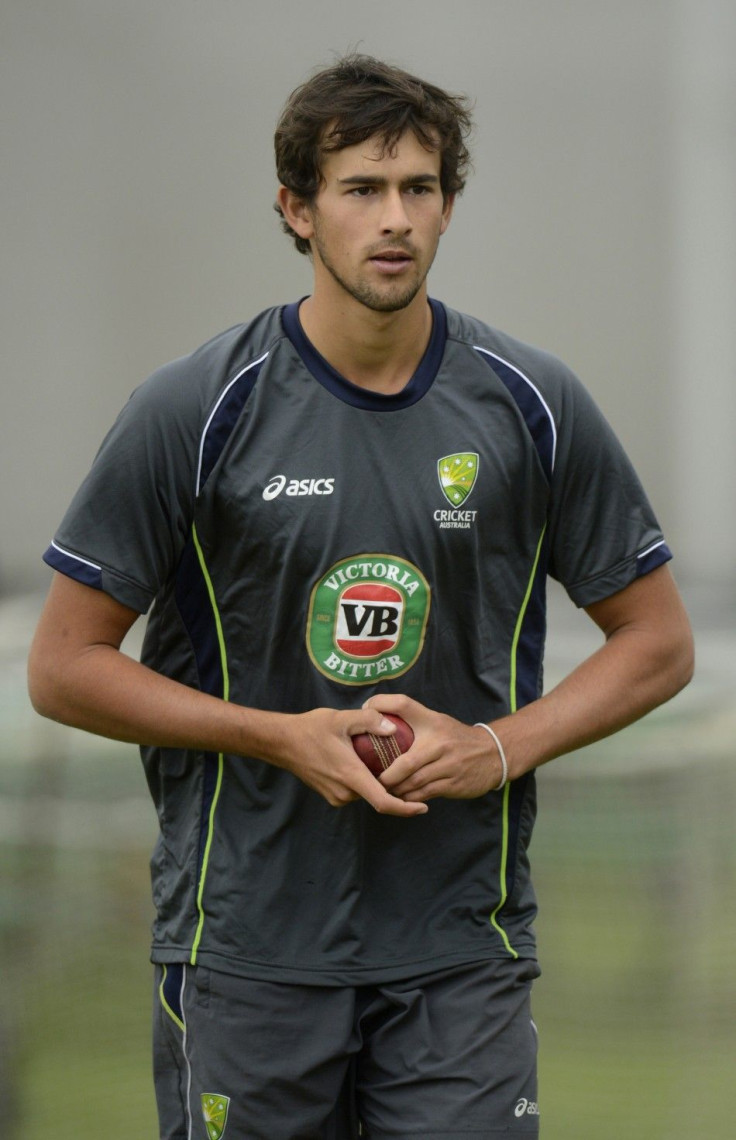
<point>457,475</point>
<point>214,1111</point>
<point>367,618</point>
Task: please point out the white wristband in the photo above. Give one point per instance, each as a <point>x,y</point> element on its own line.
<point>501,754</point>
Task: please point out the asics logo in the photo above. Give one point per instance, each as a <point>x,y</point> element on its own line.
<point>526,1107</point>
<point>294,487</point>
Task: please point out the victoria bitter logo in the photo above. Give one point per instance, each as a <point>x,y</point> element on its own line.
<point>367,619</point>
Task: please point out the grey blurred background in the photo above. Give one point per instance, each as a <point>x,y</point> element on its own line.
<point>137,181</point>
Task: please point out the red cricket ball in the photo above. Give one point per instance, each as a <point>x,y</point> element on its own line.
<point>379,752</point>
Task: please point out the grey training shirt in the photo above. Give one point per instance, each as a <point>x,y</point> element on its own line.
<point>303,542</point>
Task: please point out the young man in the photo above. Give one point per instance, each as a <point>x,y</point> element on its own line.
<point>346,508</point>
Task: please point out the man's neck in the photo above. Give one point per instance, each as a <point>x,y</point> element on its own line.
<point>377,351</point>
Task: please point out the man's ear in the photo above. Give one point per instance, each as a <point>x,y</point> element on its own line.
<point>296,212</point>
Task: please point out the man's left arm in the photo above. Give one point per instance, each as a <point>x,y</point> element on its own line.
<point>646,658</point>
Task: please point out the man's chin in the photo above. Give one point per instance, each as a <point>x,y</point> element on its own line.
<point>390,306</point>
<point>390,301</point>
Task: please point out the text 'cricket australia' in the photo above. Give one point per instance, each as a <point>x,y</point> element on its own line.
<point>455,519</point>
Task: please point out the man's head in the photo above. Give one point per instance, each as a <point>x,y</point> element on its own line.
<point>362,98</point>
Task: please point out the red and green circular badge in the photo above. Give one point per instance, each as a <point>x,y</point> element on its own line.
<point>367,619</point>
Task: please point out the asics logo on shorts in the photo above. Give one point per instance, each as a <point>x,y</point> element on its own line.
<point>526,1107</point>
<point>300,487</point>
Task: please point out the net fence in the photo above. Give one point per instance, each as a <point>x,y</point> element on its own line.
<point>635,869</point>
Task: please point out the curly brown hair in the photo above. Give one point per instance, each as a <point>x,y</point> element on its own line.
<point>356,99</point>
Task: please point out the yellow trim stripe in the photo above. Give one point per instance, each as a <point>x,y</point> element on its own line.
<point>502,875</point>
<point>513,703</point>
<point>220,758</point>
<point>520,622</point>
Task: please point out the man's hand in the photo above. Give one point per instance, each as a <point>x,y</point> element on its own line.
<point>317,748</point>
<point>448,758</point>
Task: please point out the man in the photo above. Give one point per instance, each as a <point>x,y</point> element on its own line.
<point>348,508</point>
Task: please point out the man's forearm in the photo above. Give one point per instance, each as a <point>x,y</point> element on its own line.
<point>103,691</point>
<point>643,663</point>
<point>593,702</point>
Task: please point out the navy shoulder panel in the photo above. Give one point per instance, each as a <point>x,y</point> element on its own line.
<point>530,402</point>
<point>526,372</point>
<point>224,416</point>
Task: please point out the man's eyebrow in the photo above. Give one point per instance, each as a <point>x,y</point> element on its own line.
<point>377,180</point>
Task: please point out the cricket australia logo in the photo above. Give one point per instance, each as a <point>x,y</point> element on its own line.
<point>214,1111</point>
<point>367,619</point>
<point>457,475</point>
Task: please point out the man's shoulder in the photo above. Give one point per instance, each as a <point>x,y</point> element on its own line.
<point>496,346</point>
<point>221,357</point>
<point>192,384</point>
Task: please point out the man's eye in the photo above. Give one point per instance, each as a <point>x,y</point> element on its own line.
<point>362,191</point>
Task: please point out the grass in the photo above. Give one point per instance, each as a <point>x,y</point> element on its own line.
<point>599,1084</point>
<point>84,1070</point>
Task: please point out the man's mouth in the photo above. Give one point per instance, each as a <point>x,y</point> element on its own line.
<point>391,260</point>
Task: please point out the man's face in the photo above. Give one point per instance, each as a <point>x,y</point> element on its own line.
<point>377,220</point>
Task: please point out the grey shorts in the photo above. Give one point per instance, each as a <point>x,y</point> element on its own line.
<point>436,1057</point>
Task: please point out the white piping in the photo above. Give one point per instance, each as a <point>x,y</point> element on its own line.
<point>533,387</point>
<point>186,1057</point>
<point>224,392</point>
<point>76,557</point>
<point>651,548</point>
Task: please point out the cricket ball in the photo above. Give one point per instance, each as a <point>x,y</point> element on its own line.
<point>379,752</point>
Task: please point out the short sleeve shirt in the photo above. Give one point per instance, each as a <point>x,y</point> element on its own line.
<point>302,542</point>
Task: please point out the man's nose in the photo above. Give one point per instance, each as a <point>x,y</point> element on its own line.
<point>395,218</point>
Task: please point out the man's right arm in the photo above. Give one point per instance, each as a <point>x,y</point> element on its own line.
<point>78,675</point>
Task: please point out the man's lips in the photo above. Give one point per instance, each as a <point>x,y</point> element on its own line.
<point>391,260</point>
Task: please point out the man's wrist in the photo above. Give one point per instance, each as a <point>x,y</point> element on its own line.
<point>501,755</point>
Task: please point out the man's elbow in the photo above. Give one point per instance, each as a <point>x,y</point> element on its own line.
<point>40,693</point>
<point>678,662</point>
<point>46,688</point>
